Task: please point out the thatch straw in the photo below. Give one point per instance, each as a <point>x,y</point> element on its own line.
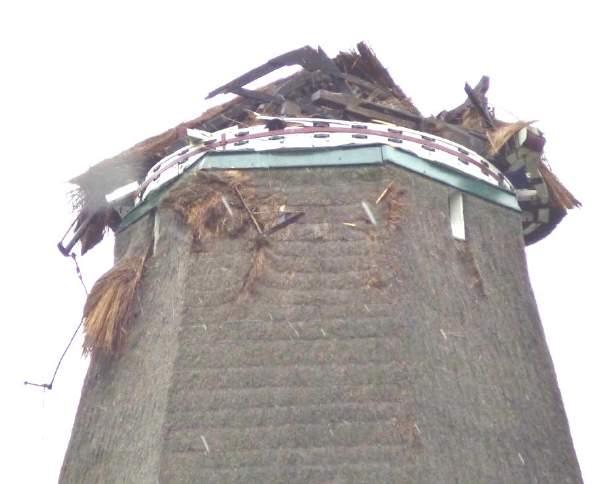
<point>560,195</point>
<point>202,202</point>
<point>103,219</point>
<point>375,280</point>
<point>471,268</point>
<point>77,198</point>
<point>256,268</point>
<point>365,64</point>
<point>472,119</point>
<point>501,135</point>
<point>396,205</point>
<point>109,306</point>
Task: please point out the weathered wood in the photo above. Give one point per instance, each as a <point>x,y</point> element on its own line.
<point>246,207</point>
<point>287,59</point>
<point>374,95</point>
<point>366,109</point>
<point>259,96</point>
<point>365,64</point>
<point>371,87</point>
<point>455,115</point>
<point>307,57</point>
<point>479,105</point>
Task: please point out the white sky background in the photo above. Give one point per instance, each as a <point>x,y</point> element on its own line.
<point>80,83</point>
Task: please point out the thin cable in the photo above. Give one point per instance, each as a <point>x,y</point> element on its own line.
<point>73,256</point>
<point>49,386</point>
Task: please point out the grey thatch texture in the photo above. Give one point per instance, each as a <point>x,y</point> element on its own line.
<point>387,354</point>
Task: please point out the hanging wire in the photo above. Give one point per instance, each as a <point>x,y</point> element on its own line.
<point>79,274</point>
<point>49,386</point>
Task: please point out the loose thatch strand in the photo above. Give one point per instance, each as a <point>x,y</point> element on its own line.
<point>76,196</point>
<point>109,307</point>
<point>375,280</point>
<point>559,193</point>
<point>258,261</point>
<point>201,202</point>
<point>396,205</point>
<point>471,268</point>
<point>501,135</point>
<point>103,219</point>
<point>365,64</point>
<point>473,120</point>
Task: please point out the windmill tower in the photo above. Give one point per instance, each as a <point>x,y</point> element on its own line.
<point>314,283</point>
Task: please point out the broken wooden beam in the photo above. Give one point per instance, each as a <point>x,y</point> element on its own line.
<point>259,96</point>
<point>367,109</point>
<point>249,212</point>
<point>307,57</point>
<point>480,106</point>
<point>455,115</point>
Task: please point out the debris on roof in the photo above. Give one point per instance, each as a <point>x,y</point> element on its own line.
<point>355,87</point>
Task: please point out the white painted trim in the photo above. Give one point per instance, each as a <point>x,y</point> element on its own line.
<point>456,204</point>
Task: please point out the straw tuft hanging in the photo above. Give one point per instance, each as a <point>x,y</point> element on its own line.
<point>207,203</point>
<point>109,307</point>
<point>501,135</point>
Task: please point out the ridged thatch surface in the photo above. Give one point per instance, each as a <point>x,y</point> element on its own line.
<point>364,354</point>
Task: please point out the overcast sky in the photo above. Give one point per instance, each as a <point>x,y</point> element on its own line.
<point>80,83</point>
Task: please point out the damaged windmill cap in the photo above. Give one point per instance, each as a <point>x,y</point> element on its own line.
<point>357,100</point>
<point>306,134</point>
<point>316,292</point>
<point>307,142</point>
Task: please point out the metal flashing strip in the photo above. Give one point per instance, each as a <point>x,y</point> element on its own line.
<point>331,157</point>
<point>145,207</point>
<point>451,177</point>
<point>305,133</point>
<point>363,155</point>
<point>295,158</point>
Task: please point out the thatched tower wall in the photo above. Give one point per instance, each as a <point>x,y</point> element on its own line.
<point>387,353</point>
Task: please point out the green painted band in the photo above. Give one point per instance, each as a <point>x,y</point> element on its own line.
<point>340,156</point>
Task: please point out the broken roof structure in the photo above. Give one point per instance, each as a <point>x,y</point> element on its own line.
<point>314,283</point>
<point>355,87</point>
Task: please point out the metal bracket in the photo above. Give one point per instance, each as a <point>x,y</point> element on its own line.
<point>66,250</point>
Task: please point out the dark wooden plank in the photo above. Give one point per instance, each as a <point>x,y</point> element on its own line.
<point>366,109</point>
<point>307,57</point>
